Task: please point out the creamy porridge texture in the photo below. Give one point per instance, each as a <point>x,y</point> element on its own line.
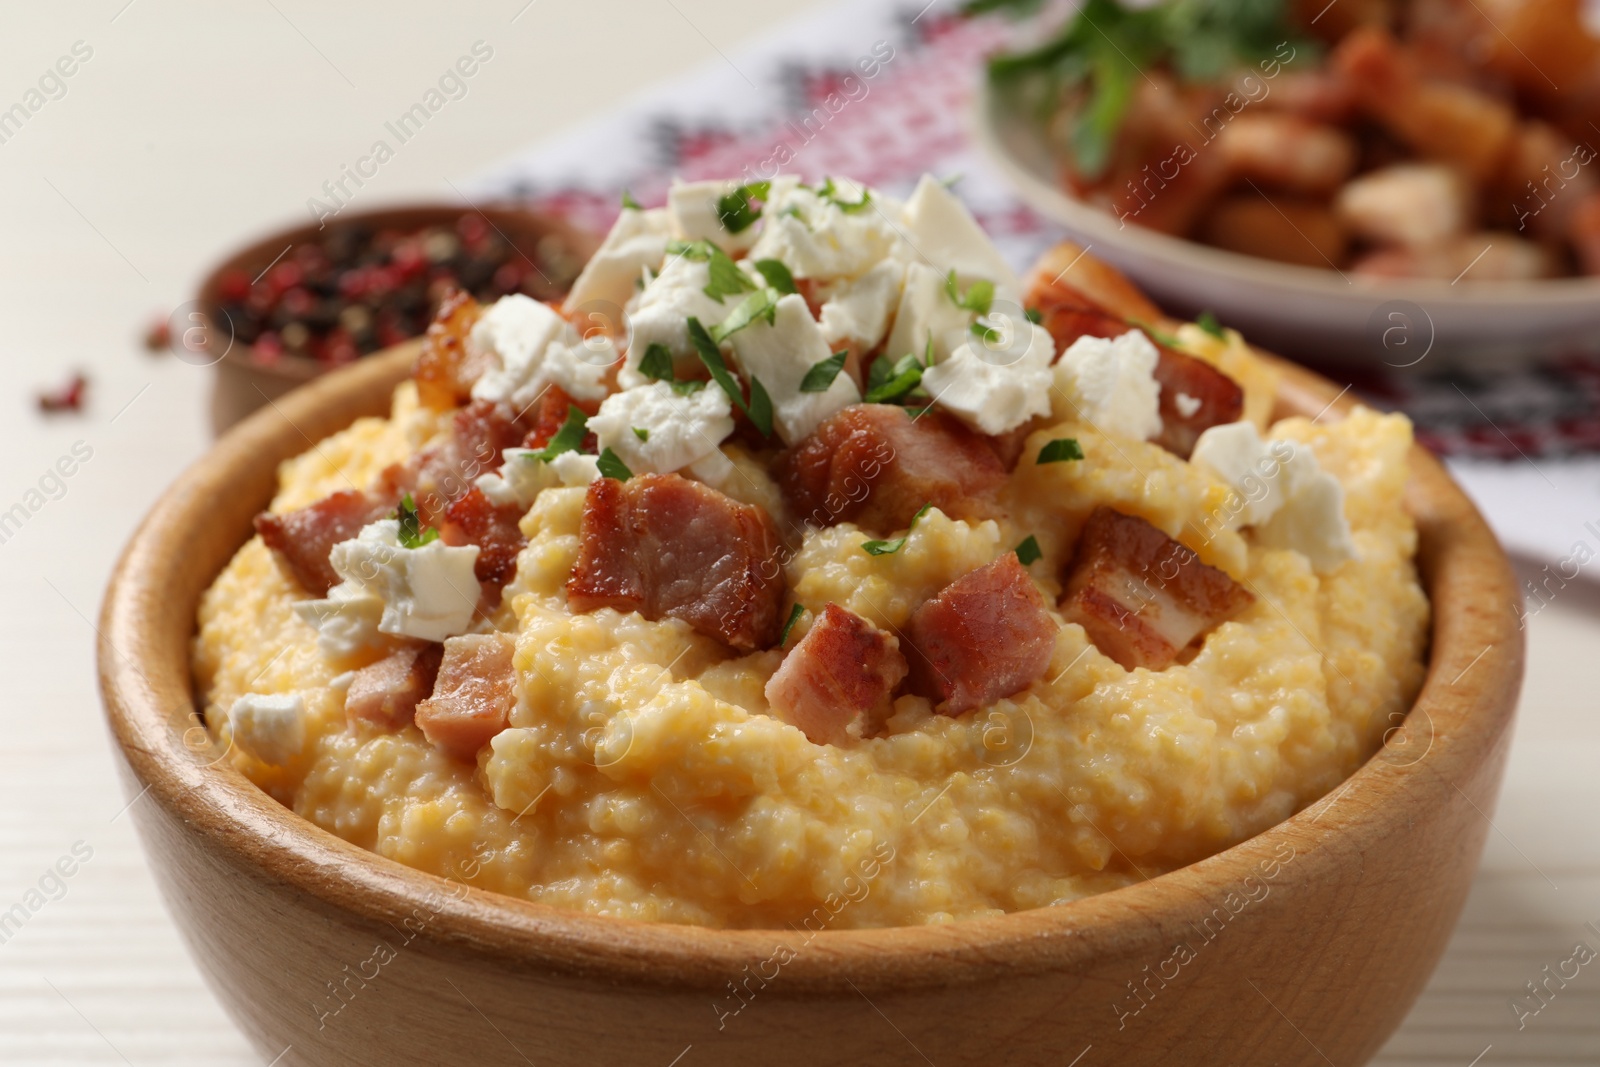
<point>841,549</point>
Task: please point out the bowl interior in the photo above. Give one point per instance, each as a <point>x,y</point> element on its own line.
<point>148,620</point>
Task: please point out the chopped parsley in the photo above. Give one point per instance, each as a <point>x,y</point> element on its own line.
<point>759,407</point>
<point>726,277</point>
<point>993,335</point>
<point>629,203</point>
<point>1028,551</point>
<point>761,304</point>
<point>412,533</point>
<point>891,380</point>
<point>794,617</point>
<point>830,193</point>
<point>611,466</point>
<point>567,439</point>
<point>777,275</point>
<point>1033,315</point>
<point>641,433</point>
<point>1160,337</point>
<point>1208,322</point>
<point>1060,450</point>
<point>819,379</point>
<point>657,364</point>
<point>978,298</point>
<point>736,211</point>
<point>889,548</point>
<point>1101,54</point>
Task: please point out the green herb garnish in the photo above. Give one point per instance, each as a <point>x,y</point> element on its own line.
<point>777,275</point>
<point>759,407</point>
<point>1028,551</point>
<point>726,277</point>
<point>641,433</point>
<point>1033,315</point>
<point>736,212</point>
<point>1208,322</point>
<point>978,298</point>
<point>629,203</point>
<point>1060,450</point>
<point>889,548</point>
<point>412,533</point>
<point>830,192</point>
<point>611,466</point>
<point>887,381</point>
<point>1097,59</point>
<point>794,617</point>
<point>658,364</point>
<point>567,439</point>
<point>819,379</point>
<point>761,304</point>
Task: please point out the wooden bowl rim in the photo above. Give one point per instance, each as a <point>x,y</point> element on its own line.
<point>146,686</point>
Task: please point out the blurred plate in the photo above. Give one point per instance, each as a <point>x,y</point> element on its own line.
<point>1299,311</point>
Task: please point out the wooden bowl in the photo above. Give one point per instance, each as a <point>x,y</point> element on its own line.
<point>245,380</point>
<point>1304,945</point>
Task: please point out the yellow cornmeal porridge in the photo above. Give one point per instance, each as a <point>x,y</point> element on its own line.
<point>641,778</point>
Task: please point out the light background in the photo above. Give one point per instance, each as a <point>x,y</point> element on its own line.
<point>194,127</point>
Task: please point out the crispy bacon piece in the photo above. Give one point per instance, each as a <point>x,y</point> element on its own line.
<point>445,471</point>
<point>472,520</point>
<point>1069,313</point>
<point>472,696</point>
<point>444,371</point>
<point>668,547</point>
<point>985,636</point>
<point>1068,274</point>
<point>385,694</point>
<point>838,677</point>
<point>1219,396</point>
<point>1141,596</point>
<point>876,465</point>
<point>1453,123</point>
<point>302,538</point>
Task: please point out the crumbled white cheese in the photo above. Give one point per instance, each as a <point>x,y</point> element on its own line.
<point>1187,405</point>
<point>780,355</point>
<point>695,215</point>
<point>346,621</point>
<point>996,385</point>
<point>270,728</point>
<point>941,231</point>
<point>575,468</point>
<point>637,242</point>
<point>1110,385</point>
<point>521,477</point>
<point>855,313</point>
<point>1282,491</point>
<point>664,308</point>
<point>533,347</point>
<point>678,430</point>
<point>1235,453</point>
<point>429,592</point>
<point>815,238</point>
<point>926,311</point>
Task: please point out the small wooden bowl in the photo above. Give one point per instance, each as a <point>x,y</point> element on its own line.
<point>245,381</point>
<point>1304,945</point>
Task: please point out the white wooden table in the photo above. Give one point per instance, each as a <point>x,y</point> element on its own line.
<point>189,129</point>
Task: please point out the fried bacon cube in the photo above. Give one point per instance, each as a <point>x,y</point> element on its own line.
<point>472,520</point>
<point>472,696</point>
<point>303,538</point>
<point>385,693</point>
<point>1142,597</point>
<point>1195,396</point>
<point>445,371</point>
<point>986,635</point>
<point>668,547</point>
<point>1086,298</point>
<point>838,678</point>
<point>876,465</point>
